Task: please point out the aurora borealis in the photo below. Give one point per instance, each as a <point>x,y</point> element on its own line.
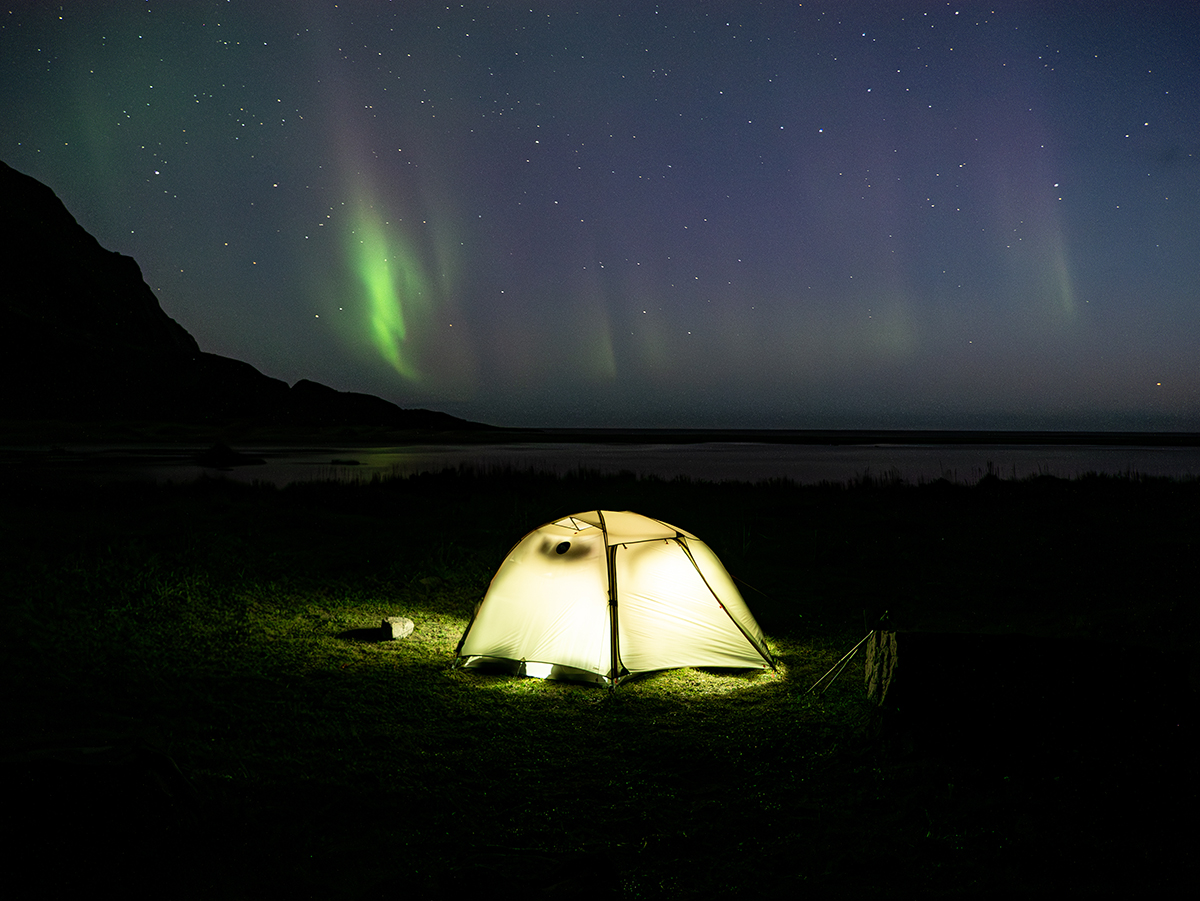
<point>691,214</point>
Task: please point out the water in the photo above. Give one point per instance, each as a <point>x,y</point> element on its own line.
<point>717,461</point>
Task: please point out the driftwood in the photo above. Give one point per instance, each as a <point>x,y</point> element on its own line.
<point>881,664</point>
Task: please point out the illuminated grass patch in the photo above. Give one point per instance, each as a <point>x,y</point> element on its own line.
<point>226,627</point>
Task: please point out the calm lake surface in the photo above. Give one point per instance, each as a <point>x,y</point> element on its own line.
<point>716,461</point>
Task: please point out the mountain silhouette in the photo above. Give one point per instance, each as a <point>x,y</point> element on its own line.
<point>83,338</point>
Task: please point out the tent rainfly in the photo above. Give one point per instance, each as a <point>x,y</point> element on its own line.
<point>601,596</point>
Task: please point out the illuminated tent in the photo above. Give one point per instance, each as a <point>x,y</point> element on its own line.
<point>602,596</point>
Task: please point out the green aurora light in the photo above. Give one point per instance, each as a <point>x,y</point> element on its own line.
<point>395,284</point>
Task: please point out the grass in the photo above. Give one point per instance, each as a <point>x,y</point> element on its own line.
<point>209,636</point>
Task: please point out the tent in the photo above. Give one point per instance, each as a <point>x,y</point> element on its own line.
<point>602,595</point>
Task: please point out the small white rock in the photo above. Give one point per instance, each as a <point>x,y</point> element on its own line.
<point>396,627</point>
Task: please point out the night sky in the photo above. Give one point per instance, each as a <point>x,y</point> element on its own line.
<point>692,214</point>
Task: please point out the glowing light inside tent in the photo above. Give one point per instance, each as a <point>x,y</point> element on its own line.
<point>551,600</point>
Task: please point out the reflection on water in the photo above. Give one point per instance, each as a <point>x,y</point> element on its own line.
<point>720,461</point>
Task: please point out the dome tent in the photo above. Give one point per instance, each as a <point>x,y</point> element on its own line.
<point>603,595</point>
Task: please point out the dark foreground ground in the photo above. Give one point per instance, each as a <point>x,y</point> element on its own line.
<point>193,704</point>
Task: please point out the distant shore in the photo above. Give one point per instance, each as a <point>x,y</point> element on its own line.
<point>70,433</point>
<point>863,436</point>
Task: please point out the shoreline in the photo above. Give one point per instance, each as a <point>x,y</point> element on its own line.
<point>27,434</point>
<point>839,437</point>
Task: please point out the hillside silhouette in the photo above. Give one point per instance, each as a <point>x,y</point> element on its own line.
<point>85,339</point>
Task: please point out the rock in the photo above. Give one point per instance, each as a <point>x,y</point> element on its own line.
<point>396,627</point>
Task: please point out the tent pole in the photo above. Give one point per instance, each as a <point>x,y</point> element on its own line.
<point>610,555</point>
<point>840,665</point>
<point>845,661</point>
